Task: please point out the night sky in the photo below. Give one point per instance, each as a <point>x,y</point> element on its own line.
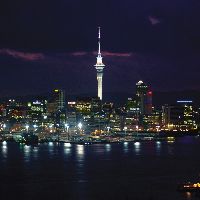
<point>47,44</point>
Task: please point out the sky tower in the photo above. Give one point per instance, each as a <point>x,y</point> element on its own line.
<point>99,67</point>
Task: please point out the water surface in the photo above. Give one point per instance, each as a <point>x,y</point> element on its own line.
<point>147,170</point>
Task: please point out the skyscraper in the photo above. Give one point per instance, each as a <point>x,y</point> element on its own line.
<point>56,107</point>
<point>59,99</point>
<point>144,98</point>
<point>99,67</point>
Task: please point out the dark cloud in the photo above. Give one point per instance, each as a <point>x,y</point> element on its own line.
<point>153,20</point>
<point>80,53</point>
<point>22,55</point>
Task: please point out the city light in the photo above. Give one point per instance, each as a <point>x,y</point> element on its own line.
<point>35,126</point>
<point>66,126</point>
<point>108,129</point>
<point>80,125</point>
<point>27,127</point>
<point>67,144</point>
<point>184,101</point>
<point>137,143</point>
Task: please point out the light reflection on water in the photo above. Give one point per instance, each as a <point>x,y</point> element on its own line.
<point>67,148</point>
<point>125,147</point>
<point>170,150</point>
<point>108,147</point>
<point>170,141</point>
<point>35,152</point>
<point>158,147</point>
<point>158,143</point>
<point>188,195</point>
<point>51,146</point>
<point>67,151</point>
<point>137,148</point>
<point>80,151</point>
<point>80,155</point>
<point>27,152</point>
<point>100,149</point>
<point>4,149</point>
<point>67,144</point>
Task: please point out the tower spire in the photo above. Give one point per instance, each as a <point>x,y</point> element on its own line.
<point>99,37</point>
<point>99,58</point>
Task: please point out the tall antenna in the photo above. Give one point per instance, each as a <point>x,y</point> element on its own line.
<point>99,37</point>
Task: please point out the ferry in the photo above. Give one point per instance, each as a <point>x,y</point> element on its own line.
<point>189,187</point>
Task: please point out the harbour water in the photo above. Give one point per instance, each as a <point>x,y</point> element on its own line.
<point>148,170</point>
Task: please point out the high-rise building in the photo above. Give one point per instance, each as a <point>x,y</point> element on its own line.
<point>179,116</point>
<point>131,120</point>
<point>99,67</point>
<point>71,118</point>
<point>56,102</point>
<point>144,98</point>
<point>56,107</point>
<point>37,110</point>
<point>59,98</point>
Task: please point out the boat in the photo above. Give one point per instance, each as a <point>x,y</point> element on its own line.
<point>189,187</point>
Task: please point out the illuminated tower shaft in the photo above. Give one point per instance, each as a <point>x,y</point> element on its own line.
<point>99,80</point>
<point>99,67</point>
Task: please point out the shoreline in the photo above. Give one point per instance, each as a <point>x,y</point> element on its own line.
<point>121,140</point>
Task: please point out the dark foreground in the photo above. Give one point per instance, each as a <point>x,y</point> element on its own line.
<point>147,170</point>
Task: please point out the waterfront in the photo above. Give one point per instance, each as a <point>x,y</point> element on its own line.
<point>136,170</point>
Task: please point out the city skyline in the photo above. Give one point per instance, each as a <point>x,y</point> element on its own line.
<point>148,43</point>
<point>110,117</point>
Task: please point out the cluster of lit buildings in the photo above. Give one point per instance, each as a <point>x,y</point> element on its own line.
<point>53,116</point>
<point>57,116</point>
<point>141,115</point>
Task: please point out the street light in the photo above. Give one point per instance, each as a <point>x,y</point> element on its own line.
<point>125,129</point>
<point>35,127</point>
<point>137,127</point>
<point>157,128</point>
<point>51,126</point>
<point>108,129</point>
<point>80,126</point>
<point>27,127</point>
<point>67,127</point>
<point>4,127</point>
